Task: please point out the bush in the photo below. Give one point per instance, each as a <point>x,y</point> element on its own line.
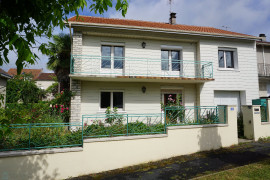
<point>61,104</point>
<point>27,113</point>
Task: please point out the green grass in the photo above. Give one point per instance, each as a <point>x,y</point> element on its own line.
<point>260,170</point>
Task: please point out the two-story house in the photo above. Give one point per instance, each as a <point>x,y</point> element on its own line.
<point>136,65</point>
<point>263,56</point>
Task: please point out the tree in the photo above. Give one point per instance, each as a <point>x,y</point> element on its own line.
<point>22,20</point>
<point>59,60</point>
<point>23,88</point>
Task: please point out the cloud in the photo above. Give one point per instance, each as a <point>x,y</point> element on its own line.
<point>244,16</point>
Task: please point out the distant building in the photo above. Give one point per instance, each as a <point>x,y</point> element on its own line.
<point>4,76</point>
<point>43,80</point>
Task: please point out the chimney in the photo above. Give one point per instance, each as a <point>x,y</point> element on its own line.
<point>263,36</point>
<point>173,18</point>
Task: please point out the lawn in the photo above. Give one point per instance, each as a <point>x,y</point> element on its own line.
<point>260,170</point>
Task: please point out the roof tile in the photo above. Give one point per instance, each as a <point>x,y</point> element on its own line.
<point>149,24</point>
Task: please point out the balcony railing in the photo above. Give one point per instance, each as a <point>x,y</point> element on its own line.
<point>263,69</point>
<point>126,66</point>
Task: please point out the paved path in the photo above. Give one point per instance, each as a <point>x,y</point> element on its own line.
<point>186,167</point>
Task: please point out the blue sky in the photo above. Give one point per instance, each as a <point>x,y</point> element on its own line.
<point>244,16</point>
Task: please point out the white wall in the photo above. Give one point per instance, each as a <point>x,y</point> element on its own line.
<point>243,79</point>
<point>3,85</point>
<point>44,84</point>
<point>135,101</point>
<point>99,156</point>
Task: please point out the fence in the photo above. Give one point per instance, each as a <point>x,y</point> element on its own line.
<point>105,125</point>
<point>263,110</point>
<point>131,66</point>
<point>196,115</point>
<point>40,136</point>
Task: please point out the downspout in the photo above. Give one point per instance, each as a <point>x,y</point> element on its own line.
<point>264,70</point>
<point>70,34</point>
<point>71,52</point>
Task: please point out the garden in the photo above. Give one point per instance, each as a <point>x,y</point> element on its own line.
<point>28,122</point>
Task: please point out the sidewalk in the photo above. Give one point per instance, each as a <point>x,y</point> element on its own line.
<point>192,166</point>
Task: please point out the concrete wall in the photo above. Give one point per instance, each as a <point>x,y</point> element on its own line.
<point>263,87</point>
<point>3,85</point>
<point>253,127</point>
<point>113,153</point>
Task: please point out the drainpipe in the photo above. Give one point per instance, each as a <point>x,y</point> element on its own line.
<point>70,34</point>
<point>264,68</point>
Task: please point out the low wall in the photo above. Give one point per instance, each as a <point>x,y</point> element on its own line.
<point>253,127</point>
<point>111,153</point>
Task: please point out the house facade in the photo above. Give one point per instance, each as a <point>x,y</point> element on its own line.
<point>4,76</point>
<point>263,56</point>
<point>137,65</point>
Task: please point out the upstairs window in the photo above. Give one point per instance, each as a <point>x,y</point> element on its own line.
<point>227,59</point>
<point>170,60</point>
<point>112,57</point>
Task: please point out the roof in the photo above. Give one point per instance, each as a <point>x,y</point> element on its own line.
<point>266,43</point>
<point>46,77</point>
<point>4,74</point>
<point>34,72</point>
<point>155,25</point>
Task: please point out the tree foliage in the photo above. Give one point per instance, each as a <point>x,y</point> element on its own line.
<point>22,88</point>
<point>59,60</point>
<point>22,20</point>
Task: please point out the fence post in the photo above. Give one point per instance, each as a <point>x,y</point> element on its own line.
<point>127,124</point>
<point>82,130</point>
<point>29,141</point>
<point>165,123</point>
<point>197,109</point>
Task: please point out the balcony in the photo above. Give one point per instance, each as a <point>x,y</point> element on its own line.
<point>87,66</point>
<point>263,69</point>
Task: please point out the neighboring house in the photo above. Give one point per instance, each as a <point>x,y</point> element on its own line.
<point>263,55</point>
<point>135,65</point>
<point>4,76</point>
<point>35,72</point>
<point>43,80</point>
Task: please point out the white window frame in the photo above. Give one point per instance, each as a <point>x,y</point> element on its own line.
<point>111,100</point>
<point>170,59</point>
<point>112,45</point>
<point>235,58</point>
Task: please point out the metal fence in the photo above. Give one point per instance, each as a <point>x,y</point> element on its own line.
<point>41,136</point>
<point>131,66</point>
<point>263,110</point>
<point>106,125</point>
<point>195,115</point>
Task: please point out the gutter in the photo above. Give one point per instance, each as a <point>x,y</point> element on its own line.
<point>160,30</point>
<point>5,76</point>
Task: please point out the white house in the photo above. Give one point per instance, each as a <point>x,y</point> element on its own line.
<point>4,76</point>
<point>263,55</point>
<point>135,65</point>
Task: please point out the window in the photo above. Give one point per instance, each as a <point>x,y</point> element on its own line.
<point>170,57</point>
<point>107,52</point>
<point>173,97</point>
<point>227,58</point>
<point>111,99</point>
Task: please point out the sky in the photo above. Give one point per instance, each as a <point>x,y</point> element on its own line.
<point>244,16</point>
